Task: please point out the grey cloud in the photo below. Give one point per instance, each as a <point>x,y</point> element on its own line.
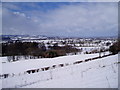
<point>99,19</point>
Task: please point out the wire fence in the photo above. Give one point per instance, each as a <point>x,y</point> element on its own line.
<point>49,73</point>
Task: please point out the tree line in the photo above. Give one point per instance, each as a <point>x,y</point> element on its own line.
<point>32,50</point>
<point>115,48</point>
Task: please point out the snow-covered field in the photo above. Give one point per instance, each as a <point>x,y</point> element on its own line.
<point>23,65</point>
<point>99,73</point>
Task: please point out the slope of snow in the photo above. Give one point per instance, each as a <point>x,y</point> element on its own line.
<point>99,73</point>
<point>87,75</point>
<point>0,73</point>
<point>23,65</point>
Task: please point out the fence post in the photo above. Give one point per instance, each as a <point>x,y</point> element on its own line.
<point>51,76</point>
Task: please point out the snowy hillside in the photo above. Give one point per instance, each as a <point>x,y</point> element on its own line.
<point>99,73</point>
<point>59,44</point>
<point>24,65</point>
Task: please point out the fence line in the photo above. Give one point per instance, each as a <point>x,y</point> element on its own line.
<point>49,68</point>
<point>29,79</point>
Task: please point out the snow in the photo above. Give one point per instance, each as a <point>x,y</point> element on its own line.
<point>0,73</point>
<point>24,65</point>
<point>96,77</point>
<point>99,73</point>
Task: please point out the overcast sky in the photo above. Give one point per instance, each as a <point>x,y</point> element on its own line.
<point>88,19</point>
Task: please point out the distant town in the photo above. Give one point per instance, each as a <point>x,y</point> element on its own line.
<point>48,47</point>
